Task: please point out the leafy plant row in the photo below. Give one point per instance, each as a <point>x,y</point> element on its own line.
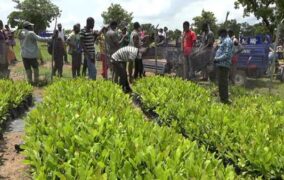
<point>12,96</point>
<point>90,130</point>
<point>249,133</point>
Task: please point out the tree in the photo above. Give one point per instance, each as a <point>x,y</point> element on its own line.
<point>206,17</point>
<point>233,25</point>
<point>252,30</point>
<point>116,13</point>
<point>269,11</point>
<point>39,12</point>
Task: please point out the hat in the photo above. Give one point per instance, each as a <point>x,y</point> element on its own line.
<point>27,23</point>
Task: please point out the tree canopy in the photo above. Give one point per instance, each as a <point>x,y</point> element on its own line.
<point>269,11</point>
<point>116,13</point>
<point>39,12</point>
<point>206,17</point>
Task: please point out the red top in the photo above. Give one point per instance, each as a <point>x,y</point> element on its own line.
<point>189,38</point>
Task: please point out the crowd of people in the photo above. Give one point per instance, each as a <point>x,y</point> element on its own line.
<point>121,52</point>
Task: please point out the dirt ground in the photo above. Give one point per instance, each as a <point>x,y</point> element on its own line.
<point>11,164</point>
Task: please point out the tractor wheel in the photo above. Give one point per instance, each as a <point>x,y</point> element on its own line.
<point>282,74</point>
<point>240,78</point>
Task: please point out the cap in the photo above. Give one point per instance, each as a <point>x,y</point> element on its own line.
<point>27,23</point>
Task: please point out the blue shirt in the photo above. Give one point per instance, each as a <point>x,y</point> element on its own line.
<point>224,53</point>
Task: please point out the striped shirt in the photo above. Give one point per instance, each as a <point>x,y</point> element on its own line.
<point>88,39</point>
<point>125,54</point>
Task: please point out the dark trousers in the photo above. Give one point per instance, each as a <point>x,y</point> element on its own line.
<point>85,66</point>
<point>139,68</point>
<point>4,71</point>
<point>58,66</point>
<point>223,83</point>
<point>120,69</point>
<point>29,64</point>
<point>76,64</point>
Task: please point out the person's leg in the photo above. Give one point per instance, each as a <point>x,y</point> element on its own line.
<point>141,68</point>
<point>136,68</point>
<point>92,71</point>
<point>122,73</point>
<point>104,66</point>
<point>85,64</point>
<point>28,68</point>
<point>34,65</point>
<point>74,63</point>
<point>60,66</point>
<point>223,83</point>
<point>4,71</point>
<point>78,63</point>
<point>186,68</point>
<point>130,71</point>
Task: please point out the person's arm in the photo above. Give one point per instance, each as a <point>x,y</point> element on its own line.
<point>69,41</point>
<point>40,39</point>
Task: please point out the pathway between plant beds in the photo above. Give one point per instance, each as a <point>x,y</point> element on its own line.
<point>11,162</point>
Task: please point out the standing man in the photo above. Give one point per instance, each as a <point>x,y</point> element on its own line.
<point>29,50</point>
<point>188,42</point>
<point>223,63</point>
<point>75,50</point>
<point>87,39</point>
<point>4,71</point>
<point>59,52</point>
<point>61,35</point>
<point>206,49</point>
<point>135,41</point>
<point>112,42</point>
<point>237,49</point>
<point>103,55</point>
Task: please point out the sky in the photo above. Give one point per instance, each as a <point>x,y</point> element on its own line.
<point>170,13</point>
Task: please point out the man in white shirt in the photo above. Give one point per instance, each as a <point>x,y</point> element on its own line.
<point>119,60</point>
<point>61,35</point>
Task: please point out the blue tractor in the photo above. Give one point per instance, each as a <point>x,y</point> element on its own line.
<point>254,61</point>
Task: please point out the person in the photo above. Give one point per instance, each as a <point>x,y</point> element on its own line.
<point>124,38</point>
<point>59,52</point>
<point>135,41</point>
<point>10,36</point>
<point>165,34</point>
<point>237,49</point>
<point>112,42</point>
<point>4,70</point>
<point>188,42</point>
<point>75,50</point>
<point>103,55</point>
<point>61,34</point>
<point>206,49</point>
<point>119,59</point>
<point>29,50</point>
<point>222,61</point>
<point>87,39</point>
<point>11,43</point>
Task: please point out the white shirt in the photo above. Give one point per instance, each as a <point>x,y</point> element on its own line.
<point>61,35</point>
<point>125,54</point>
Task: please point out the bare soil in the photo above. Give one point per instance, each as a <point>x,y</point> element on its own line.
<point>11,163</point>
